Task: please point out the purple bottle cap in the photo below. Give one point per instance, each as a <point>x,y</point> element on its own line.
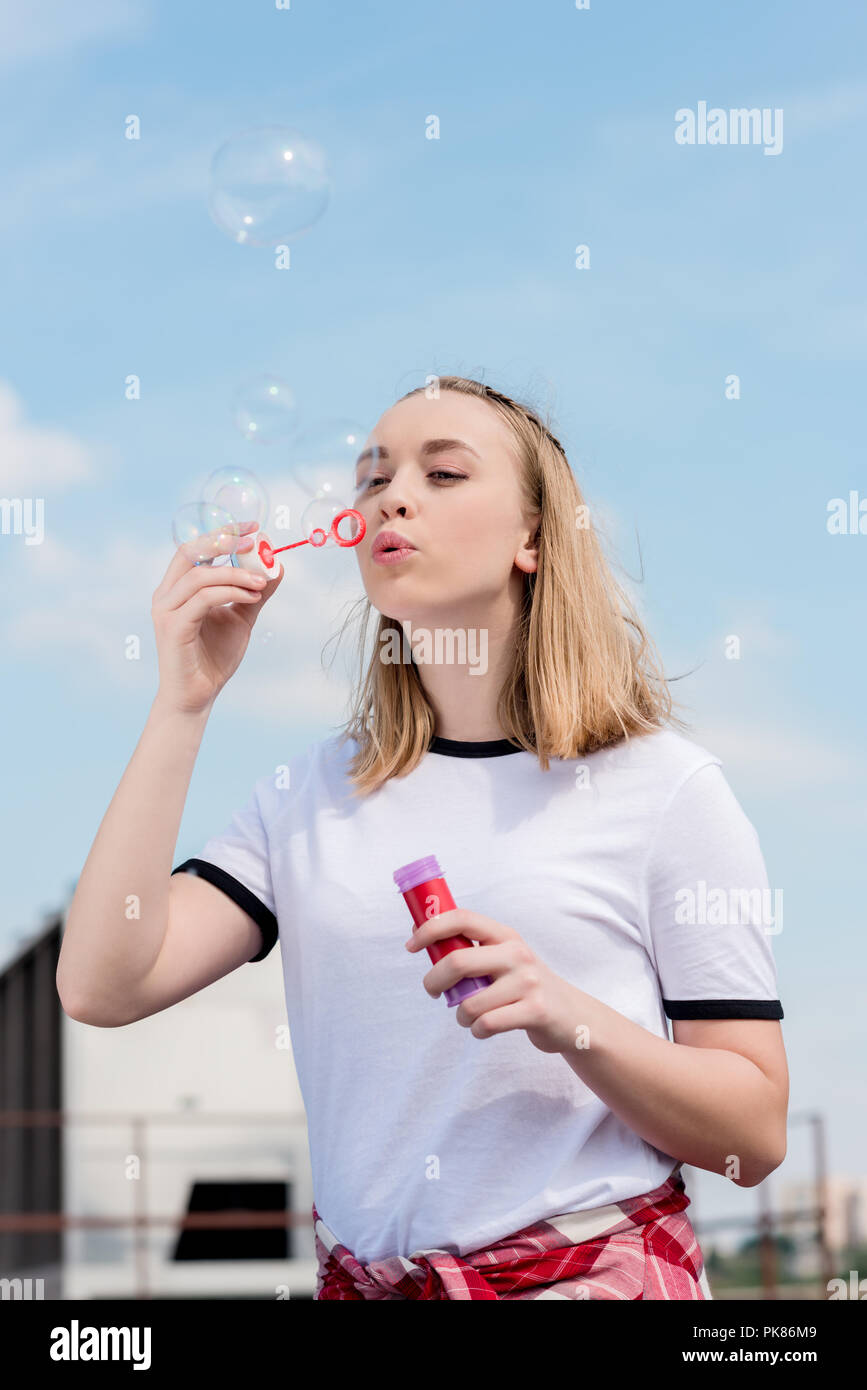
<point>419,871</point>
<point>464,988</point>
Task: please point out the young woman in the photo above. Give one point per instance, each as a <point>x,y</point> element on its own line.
<point>512,721</point>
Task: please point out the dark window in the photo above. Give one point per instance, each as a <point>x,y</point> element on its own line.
<point>241,1242</point>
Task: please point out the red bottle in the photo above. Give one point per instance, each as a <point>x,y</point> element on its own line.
<point>427,895</point>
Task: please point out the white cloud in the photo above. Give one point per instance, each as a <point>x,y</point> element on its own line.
<point>71,608</point>
<point>36,458</point>
<point>772,755</point>
<point>79,187</point>
<point>748,712</point>
<point>44,28</point>
<point>288,670</point>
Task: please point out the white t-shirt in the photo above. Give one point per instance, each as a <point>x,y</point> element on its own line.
<point>622,871</point>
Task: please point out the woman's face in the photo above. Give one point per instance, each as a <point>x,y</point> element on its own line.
<point>443,474</point>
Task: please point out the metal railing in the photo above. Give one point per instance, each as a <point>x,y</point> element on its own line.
<point>141,1221</point>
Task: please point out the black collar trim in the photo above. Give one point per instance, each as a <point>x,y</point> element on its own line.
<point>486,748</point>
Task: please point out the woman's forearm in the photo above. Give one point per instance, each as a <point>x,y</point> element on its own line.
<point>704,1106</point>
<point>117,919</point>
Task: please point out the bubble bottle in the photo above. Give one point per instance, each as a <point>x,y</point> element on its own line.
<point>426,894</point>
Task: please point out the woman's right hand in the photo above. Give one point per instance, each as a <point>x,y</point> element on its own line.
<point>200,642</point>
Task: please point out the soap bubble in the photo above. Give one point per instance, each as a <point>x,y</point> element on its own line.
<point>265,410</point>
<point>268,185</point>
<point>323,459</point>
<point>238,492</point>
<point>204,531</point>
<point>318,519</point>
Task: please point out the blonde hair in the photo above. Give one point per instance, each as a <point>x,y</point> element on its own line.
<point>584,675</point>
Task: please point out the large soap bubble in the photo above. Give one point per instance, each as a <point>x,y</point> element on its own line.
<point>268,185</point>
<point>265,410</point>
<point>205,531</point>
<point>238,492</point>
<point>324,458</point>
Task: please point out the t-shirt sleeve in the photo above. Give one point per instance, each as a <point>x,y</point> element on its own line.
<point>238,863</point>
<point>710,911</point>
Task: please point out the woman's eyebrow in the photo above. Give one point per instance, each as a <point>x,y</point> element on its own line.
<point>430,446</point>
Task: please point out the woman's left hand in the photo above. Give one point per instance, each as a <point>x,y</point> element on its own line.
<point>524,994</point>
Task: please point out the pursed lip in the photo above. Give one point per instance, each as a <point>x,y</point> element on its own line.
<point>391,540</point>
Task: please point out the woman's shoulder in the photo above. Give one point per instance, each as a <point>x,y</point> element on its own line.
<point>311,771</point>
<point>664,755</point>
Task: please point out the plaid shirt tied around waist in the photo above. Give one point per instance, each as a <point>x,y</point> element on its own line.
<point>640,1248</point>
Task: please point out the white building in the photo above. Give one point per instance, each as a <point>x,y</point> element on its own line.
<point>196,1106</point>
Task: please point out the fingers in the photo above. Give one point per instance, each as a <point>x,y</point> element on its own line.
<point>461,921</point>
<point>233,583</point>
<point>184,558</point>
<point>251,613</point>
<point>272,583</point>
<point>215,595</point>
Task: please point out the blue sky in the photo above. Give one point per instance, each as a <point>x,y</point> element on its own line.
<point>556,129</point>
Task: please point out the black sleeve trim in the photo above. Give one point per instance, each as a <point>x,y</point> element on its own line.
<point>262,915</point>
<point>723,1008</point>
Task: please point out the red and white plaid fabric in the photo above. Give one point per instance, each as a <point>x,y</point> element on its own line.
<point>640,1248</point>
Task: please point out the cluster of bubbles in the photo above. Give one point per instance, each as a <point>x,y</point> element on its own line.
<point>234,503</point>
<point>269,186</point>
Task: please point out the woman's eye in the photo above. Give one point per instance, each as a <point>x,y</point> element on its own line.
<point>437,473</point>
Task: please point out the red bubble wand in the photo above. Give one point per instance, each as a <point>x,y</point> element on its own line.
<point>317,537</point>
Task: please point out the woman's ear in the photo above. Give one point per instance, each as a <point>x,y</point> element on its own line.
<point>527,558</point>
